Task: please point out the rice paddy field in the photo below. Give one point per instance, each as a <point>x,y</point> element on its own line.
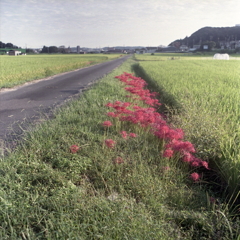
<point>110,164</point>
<point>205,95</point>
<point>16,70</point>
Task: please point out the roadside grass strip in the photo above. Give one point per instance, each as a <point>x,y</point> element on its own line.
<point>99,170</point>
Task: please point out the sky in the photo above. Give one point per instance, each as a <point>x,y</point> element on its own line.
<point>109,23</point>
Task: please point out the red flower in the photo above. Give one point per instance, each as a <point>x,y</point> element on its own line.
<point>195,177</point>
<point>133,135</point>
<point>110,143</point>
<point>107,124</point>
<point>109,105</point>
<point>195,163</point>
<point>168,153</point>
<point>74,148</point>
<point>124,134</point>
<point>111,114</point>
<point>205,164</point>
<point>187,157</point>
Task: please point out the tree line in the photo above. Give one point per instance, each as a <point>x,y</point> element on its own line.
<point>45,49</point>
<point>7,45</point>
<point>54,49</point>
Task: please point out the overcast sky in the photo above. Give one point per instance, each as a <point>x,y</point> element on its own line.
<point>101,23</point>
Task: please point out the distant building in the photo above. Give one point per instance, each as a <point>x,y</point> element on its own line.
<point>205,47</point>
<point>197,46</point>
<point>194,48</point>
<point>141,51</point>
<point>237,44</point>
<point>183,48</point>
<point>14,53</point>
<point>167,49</point>
<point>151,49</point>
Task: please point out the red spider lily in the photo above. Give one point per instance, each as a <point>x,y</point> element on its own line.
<point>132,135</point>
<point>110,143</point>
<point>205,164</point>
<point>112,114</point>
<point>118,160</point>
<point>168,153</point>
<point>137,88</point>
<point>196,163</point>
<point>109,105</point>
<point>124,134</point>
<point>74,148</point>
<point>166,133</point>
<point>107,124</point>
<point>181,146</point>
<point>195,177</point>
<point>187,157</point>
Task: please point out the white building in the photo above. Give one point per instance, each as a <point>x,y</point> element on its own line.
<point>183,48</point>
<point>14,53</point>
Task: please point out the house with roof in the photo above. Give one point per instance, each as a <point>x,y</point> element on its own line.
<point>183,48</point>
<point>14,53</point>
<point>194,48</point>
<point>169,49</point>
<point>141,51</point>
<point>151,49</point>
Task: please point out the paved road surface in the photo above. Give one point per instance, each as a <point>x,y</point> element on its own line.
<point>25,104</point>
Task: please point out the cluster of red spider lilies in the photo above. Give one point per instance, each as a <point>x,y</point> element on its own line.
<point>150,119</point>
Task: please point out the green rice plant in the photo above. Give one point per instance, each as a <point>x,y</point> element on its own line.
<point>208,93</point>
<point>16,70</point>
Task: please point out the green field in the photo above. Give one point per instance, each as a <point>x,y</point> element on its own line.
<point>180,56</point>
<point>63,182</point>
<point>205,94</point>
<point>16,70</point>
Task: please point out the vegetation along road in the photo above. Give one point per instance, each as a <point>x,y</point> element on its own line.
<point>26,104</point>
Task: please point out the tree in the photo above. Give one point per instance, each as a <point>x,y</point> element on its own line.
<point>53,49</point>
<point>29,51</point>
<point>2,45</point>
<point>62,50</point>
<point>45,49</point>
<point>9,45</point>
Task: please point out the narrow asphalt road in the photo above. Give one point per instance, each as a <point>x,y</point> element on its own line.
<point>25,104</point>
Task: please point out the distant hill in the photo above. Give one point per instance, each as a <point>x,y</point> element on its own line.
<point>207,34</point>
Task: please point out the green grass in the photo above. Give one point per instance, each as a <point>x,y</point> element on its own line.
<point>16,70</point>
<point>205,95</point>
<point>49,193</point>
